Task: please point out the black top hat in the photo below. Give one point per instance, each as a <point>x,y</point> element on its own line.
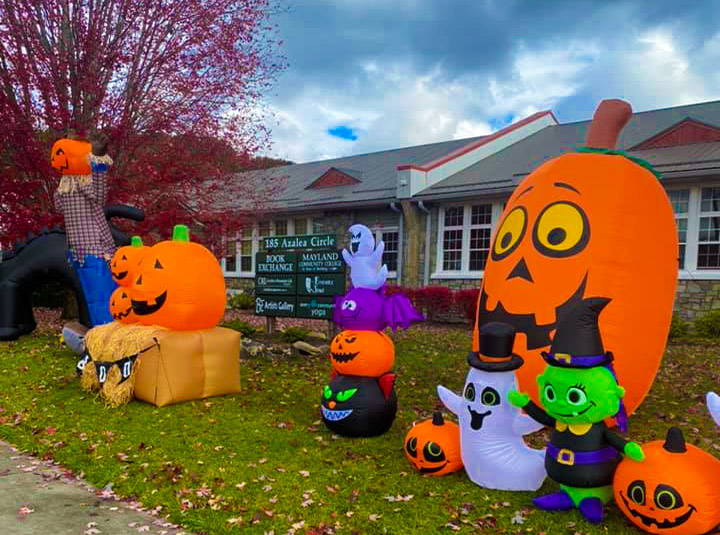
<point>577,342</point>
<point>495,354</point>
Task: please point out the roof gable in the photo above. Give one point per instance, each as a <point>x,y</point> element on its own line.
<point>685,132</point>
<point>336,177</point>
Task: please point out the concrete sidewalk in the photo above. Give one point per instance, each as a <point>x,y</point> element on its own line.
<point>40,497</point>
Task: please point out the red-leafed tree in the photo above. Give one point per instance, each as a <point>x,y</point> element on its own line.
<point>176,85</point>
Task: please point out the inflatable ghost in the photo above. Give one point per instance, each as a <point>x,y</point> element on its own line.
<point>713,403</point>
<point>493,451</point>
<point>364,259</point>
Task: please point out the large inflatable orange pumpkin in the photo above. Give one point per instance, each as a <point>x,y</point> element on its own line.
<point>179,285</point>
<point>362,353</point>
<point>71,156</point>
<point>595,223</point>
<point>674,491</point>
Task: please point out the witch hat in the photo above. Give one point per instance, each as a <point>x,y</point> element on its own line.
<point>577,342</point>
<point>495,354</point>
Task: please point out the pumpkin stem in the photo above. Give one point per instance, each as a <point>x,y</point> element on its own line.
<point>438,418</point>
<point>674,441</point>
<point>609,119</point>
<point>136,241</point>
<point>181,233</point>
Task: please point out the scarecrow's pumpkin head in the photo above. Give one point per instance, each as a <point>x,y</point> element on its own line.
<point>362,353</point>
<point>433,446</point>
<point>575,227</point>
<point>125,262</point>
<point>359,406</point>
<point>71,156</point>
<point>179,285</point>
<point>121,306</point>
<point>577,396</point>
<point>673,491</point>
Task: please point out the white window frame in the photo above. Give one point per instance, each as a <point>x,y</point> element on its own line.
<point>690,272</point>
<point>256,246</point>
<point>377,233</point>
<point>464,272</point>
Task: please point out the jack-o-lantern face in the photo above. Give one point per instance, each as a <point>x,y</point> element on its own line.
<point>179,285</point>
<point>576,228</point>
<point>70,157</point>
<point>673,491</point>
<point>121,306</point>
<point>433,446</point>
<point>125,262</point>
<point>362,353</point>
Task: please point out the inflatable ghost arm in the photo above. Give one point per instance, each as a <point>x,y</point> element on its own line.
<point>713,403</point>
<point>450,399</point>
<point>535,412</point>
<point>378,252</point>
<point>524,425</point>
<point>347,257</point>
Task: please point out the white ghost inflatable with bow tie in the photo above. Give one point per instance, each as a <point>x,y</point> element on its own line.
<point>713,403</point>
<point>364,259</point>
<point>492,448</point>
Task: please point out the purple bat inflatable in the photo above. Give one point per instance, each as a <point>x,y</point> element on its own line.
<point>371,310</point>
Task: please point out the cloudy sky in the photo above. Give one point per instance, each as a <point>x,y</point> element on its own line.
<point>369,75</point>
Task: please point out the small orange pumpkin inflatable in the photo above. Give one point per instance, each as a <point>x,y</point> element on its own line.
<point>179,285</point>
<point>71,156</point>
<point>433,446</point>
<point>121,306</point>
<point>674,491</point>
<point>362,353</point>
<point>126,260</point>
<point>578,227</point>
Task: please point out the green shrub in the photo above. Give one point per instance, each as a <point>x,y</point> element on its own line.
<point>241,326</point>
<point>241,301</point>
<point>678,328</point>
<point>708,326</point>
<point>293,334</point>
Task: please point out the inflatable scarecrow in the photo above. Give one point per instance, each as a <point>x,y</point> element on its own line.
<point>81,196</point>
<point>578,391</point>
<point>675,491</point>
<point>493,451</point>
<point>576,227</point>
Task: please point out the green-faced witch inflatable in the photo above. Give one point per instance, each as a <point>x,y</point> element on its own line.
<point>578,391</point>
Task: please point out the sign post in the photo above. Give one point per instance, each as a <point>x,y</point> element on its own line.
<point>298,276</point>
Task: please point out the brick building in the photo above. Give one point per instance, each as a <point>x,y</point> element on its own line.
<point>436,205</point>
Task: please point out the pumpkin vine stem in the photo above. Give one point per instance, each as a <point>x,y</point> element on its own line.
<point>181,233</point>
<point>136,241</point>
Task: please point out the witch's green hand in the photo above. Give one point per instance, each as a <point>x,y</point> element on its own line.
<point>634,451</point>
<point>518,399</point>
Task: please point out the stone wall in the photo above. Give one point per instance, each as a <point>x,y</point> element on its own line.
<point>694,298</point>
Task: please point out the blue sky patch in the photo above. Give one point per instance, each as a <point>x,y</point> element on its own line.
<point>343,132</point>
<point>497,124</point>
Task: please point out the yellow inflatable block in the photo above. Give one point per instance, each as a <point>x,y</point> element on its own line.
<point>189,365</point>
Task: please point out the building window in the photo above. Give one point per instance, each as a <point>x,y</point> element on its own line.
<point>240,251</point>
<point>708,254</point>
<point>464,237</point>
<point>392,243</point>
<point>680,200</point>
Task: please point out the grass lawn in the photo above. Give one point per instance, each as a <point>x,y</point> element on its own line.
<point>263,462</point>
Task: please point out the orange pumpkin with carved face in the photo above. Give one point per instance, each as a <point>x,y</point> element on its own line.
<point>126,260</point>
<point>71,156</point>
<point>362,353</point>
<point>674,491</point>
<point>121,306</point>
<point>586,224</point>
<point>433,446</point>
<point>179,285</point>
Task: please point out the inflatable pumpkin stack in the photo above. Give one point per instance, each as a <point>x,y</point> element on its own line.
<point>360,399</point>
<point>164,345</point>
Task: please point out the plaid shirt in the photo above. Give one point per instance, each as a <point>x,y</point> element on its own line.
<point>81,201</point>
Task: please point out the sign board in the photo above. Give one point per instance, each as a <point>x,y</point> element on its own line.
<point>310,241</point>
<point>266,305</point>
<point>302,283</point>
<point>275,263</point>
<point>319,308</point>
<point>320,262</point>
<point>275,285</point>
